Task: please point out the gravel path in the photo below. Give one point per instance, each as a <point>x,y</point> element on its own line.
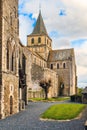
<point>29,120</point>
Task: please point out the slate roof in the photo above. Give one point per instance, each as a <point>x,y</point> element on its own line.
<point>40,26</point>
<point>84,90</point>
<point>62,54</point>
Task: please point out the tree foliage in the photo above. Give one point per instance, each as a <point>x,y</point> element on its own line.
<point>80,91</point>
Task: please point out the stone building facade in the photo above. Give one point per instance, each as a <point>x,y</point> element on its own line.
<point>59,65</point>
<point>63,63</point>
<point>9,56</point>
<point>22,67</point>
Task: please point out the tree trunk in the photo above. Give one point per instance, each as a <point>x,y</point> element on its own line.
<point>46,95</point>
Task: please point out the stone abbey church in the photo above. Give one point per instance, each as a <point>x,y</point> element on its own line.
<point>23,67</point>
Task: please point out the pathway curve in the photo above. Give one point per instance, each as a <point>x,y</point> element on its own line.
<point>29,120</point>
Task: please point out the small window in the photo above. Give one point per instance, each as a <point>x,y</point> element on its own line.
<point>39,40</point>
<point>64,65</point>
<point>51,66</point>
<point>57,66</point>
<point>32,40</point>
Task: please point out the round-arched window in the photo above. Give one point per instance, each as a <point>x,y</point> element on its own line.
<point>39,40</point>
<point>32,40</point>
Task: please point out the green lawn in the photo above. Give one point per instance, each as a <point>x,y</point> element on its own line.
<point>49,99</point>
<point>63,111</point>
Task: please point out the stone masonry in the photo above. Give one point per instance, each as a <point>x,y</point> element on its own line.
<point>22,67</point>
<point>58,64</point>
<point>9,55</point>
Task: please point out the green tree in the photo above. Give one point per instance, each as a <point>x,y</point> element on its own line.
<point>80,91</point>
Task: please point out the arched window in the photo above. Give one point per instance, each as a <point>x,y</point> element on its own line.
<point>24,63</point>
<point>15,12</point>
<point>51,66</point>
<point>62,86</point>
<point>13,59</point>
<point>12,64</point>
<point>39,40</point>
<point>7,56</point>
<point>11,104</point>
<point>32,40</point>
<point>57,66</point>
<point>64,65</point>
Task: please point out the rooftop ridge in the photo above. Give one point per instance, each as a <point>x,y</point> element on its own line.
<point>62,49</point>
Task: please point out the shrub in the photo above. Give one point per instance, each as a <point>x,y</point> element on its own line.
<point>76,98</point>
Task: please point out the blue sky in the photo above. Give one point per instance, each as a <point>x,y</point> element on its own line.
<point>66,24</point>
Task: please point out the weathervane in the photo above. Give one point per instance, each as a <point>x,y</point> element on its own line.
<point>39,6</point>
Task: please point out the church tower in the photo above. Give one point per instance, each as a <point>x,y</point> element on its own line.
<point>39,41</point>
<point>9,55</point>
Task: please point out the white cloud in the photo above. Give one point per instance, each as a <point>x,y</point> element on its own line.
<point>61,43</point>
<point>81,56</point>
<point>72,25</point>
<point>25,28</point>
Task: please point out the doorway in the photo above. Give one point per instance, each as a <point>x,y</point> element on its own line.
<point>11,105</point>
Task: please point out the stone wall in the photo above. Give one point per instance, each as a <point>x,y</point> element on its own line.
<point>64,77</point>
<point>36,59</point>
<point>35,94</point>
<point>28,56</point>
<point>0,38</point>
<point>0,52</point>
<point>41,48</point>
<point>50,74</point>
<point>37,74</point>
<point>10,88</point>
<point>67,76</point>
<point>9,34</point>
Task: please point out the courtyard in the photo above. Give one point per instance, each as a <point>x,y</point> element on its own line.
<point>29,119</point>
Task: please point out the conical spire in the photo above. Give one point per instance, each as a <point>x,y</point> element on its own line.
<point>39,27</point>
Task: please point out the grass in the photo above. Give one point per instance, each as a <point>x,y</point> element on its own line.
<point>63,111</point>
<point>50,99</point>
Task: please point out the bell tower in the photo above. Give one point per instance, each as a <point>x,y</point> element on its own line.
<point>39,41</point>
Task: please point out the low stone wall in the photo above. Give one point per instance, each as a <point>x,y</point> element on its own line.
<point>36,94</point>
<point>37,74</point>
